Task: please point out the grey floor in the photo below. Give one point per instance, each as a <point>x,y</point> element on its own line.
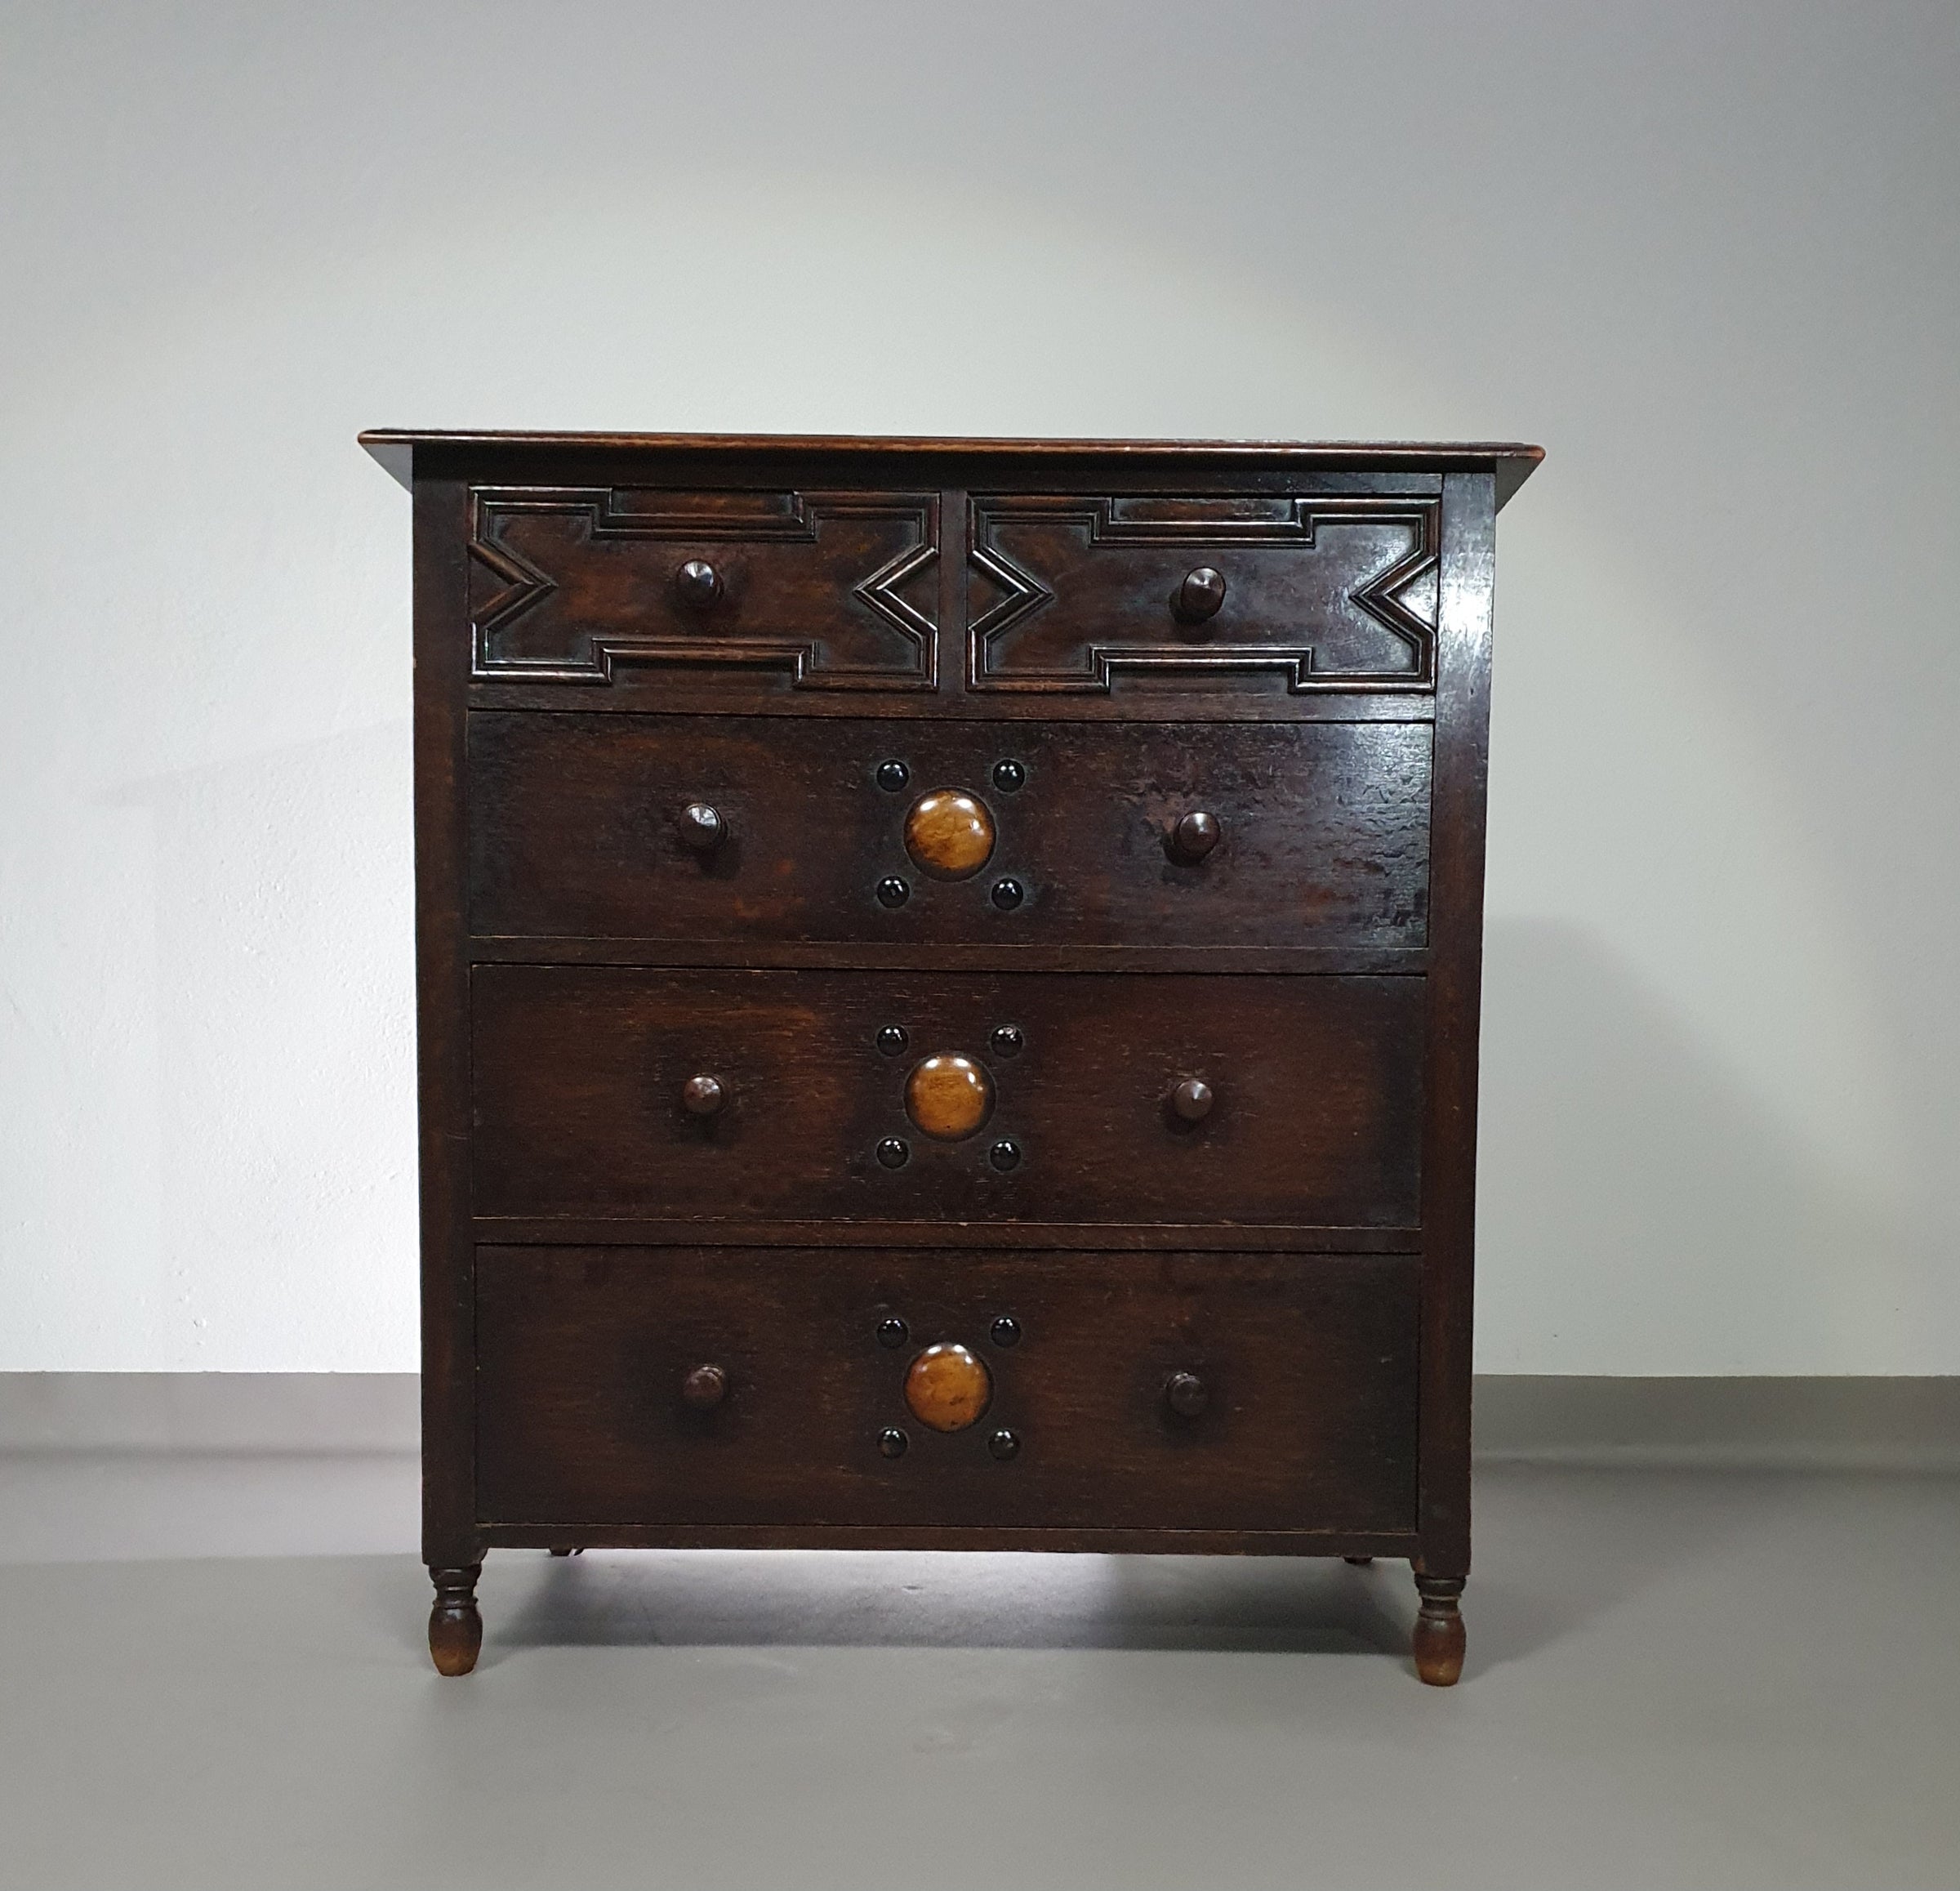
<point>211,1675</point>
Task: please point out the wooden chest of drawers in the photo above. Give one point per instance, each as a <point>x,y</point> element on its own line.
<point>948,996</point>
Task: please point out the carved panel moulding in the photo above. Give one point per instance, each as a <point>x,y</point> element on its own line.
<point>567,583</point>
<point>1333,594</point>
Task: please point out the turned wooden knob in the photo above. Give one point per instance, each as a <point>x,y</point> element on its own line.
<point>1187,1394</point>
<point>1192,1100</point>
<point>697,584</point>
<point>703,1096</point>
<point>947,1387</point>
<point>949,834</point>
<point>949,1096</point>
<point>1195,837</point>
<point>702,829</point>
<point>704,1388</point>
<point>1199,597</point>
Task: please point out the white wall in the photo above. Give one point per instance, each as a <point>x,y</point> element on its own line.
<point>1705,253</point>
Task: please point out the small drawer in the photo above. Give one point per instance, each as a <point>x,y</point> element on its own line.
<point>753,830</point>
<point>1071,592</point>
<point>1086,1097</point>
<point>739,1386</point>
<point>753,592</point>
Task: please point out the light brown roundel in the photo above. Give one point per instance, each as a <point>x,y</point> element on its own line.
<point>949,1096</point>
<point>949,834</point>
<point>947,1387</point>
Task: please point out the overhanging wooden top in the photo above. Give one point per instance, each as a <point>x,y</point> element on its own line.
<point>1510,461</point>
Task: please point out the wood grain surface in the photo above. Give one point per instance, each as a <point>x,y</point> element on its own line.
<point>1315,1121</point>
<point>575,832</point>
<point>1311,1361</point>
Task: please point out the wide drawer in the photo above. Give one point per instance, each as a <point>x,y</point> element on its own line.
<point>738,1386</point>
<point>1079,834</point>
<point>869,1096</point>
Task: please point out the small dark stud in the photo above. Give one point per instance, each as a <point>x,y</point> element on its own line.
<point>697,584</point>
<point>893,1333</point>
<point>702,829</point>
<point>1010,777</point>
<point>1007,1330</point>
<point>1358,1562</point>
<point>894,1151</point>
<point>1193,837</point>
<point>1004,1444</point>
<point>1198,598</point>
<point>1005,1154</point>
<point>893,891</point>
<point>705,1388</point>
<point>1192,1100</point>
<point>892,1039</point>
<point>1007,1040</point>
<point>892,776</point>
<point>1009,894</point>
<point>892,1442</point>
<point>1187,1394</point>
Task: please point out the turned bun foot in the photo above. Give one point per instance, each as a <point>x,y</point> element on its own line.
<point>1439,1630</point>
<point>455,1630</point>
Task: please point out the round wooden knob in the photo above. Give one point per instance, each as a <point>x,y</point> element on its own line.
<point>704,1388</point>
<point>702,829</point>
<point>703,1096</point>
<point>1192,1100</point>
<point>950,834</point>
<point>1195,837</point>
<point>1200,595</point>
<point>1187,1394</point>
<point>948,1388</point>
<point>697,584</point>
<point>949,1096</point>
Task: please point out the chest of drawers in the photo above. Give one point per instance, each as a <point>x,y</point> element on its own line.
<point>948,985</point>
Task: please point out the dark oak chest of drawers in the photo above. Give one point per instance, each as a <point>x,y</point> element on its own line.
<point>948,995</point>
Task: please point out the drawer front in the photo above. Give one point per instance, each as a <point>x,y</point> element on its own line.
<point>867,1096</point>
<point>1198,835</point>
<point>757,591</point>
<point>1068,592</point>
<point>1221,1392</point>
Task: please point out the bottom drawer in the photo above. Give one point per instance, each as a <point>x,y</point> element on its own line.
<point>730,1386</point>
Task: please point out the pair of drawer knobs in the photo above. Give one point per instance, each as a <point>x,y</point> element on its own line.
<point>950,835</point>
<point>949,1097</point>
<point>947,1388</point>
<point>1196,600</point>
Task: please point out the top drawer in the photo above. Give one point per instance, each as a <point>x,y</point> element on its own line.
<point>749,597</point>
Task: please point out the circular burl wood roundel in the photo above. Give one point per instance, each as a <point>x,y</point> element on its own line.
<point>949,1097</point>
<point>947,1388</point>
<point>950,834</point>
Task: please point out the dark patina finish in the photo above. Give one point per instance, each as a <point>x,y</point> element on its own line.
<point>948,978</point>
